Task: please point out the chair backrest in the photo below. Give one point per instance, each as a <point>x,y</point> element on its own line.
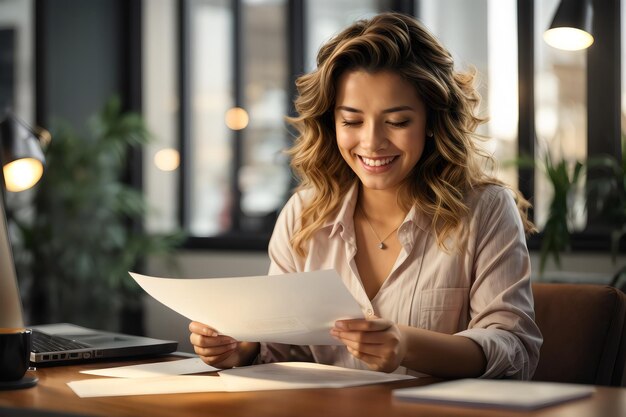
<point>584,332</point>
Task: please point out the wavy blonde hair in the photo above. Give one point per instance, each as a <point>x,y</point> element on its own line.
<point>451,164</point>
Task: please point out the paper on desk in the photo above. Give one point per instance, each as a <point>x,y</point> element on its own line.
<point>271,376</point>
<point>174,384</point>
<point>512,394</point>
<point>177,367</point>
<point>298,308</point>
<point>296,375</point>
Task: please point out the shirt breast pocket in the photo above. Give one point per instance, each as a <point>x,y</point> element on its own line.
<point>443,309</point>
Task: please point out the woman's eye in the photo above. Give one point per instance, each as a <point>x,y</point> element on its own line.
<point>403,123</point>
<point>350,123</point>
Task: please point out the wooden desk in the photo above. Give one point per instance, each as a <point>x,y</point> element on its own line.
<point>52,393</point>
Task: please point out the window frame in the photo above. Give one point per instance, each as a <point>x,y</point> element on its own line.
<point>603,110</point>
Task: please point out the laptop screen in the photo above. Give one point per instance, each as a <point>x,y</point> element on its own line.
<point>10,301</point>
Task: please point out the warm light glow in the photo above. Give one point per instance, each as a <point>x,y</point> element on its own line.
<point>44,136</point>
<point>22,174</point>
<point>568,39</point>
<point>236,118</point>
<point>167,159</point>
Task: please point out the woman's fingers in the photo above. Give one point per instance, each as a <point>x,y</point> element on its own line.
<point>373,349</point>
<point>219,361</point>
<point>200,328</point>
<point>213,343</point>
<point>377,342</point>
<point>364,325</point>
<point>363,331</point>
<point>216,354</point>
<point>212,347</point>
<point>210,341</point>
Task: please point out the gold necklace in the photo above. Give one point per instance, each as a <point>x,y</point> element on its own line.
<point>381,242</point>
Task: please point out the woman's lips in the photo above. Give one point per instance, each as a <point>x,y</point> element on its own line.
<point>378,164</point>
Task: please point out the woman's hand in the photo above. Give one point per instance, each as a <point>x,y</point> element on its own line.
<point>219,350</point>
<point>377,342</point>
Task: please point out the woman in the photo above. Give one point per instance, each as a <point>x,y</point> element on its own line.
<point>393,196</point>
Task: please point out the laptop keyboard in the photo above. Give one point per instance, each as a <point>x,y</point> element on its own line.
<point>42,342</point>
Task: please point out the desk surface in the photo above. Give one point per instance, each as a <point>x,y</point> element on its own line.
<point>52,393</point>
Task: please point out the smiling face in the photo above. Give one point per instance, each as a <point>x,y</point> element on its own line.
<point>380,124</point>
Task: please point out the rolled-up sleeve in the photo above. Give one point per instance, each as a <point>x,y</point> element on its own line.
<point>501,300</point>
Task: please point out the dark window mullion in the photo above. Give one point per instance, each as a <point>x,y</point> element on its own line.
<point>526,80</point>
<point>604,81</point>
<point>296,44</point>
<point>603,93</point>
<point>296,51</point>
<point>407,7</point>
<point>184,116</point>
<point>238,98</point>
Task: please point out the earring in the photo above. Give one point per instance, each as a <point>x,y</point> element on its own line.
<point>430,133</point>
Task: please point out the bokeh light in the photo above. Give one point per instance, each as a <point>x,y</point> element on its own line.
<point>167,159</point>
<point>236,118</point>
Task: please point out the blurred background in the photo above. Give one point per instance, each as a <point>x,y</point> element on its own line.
<point>207,84</point>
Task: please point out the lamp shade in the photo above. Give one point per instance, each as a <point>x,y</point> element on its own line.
<point>20,154</point>
<point>571,28</point>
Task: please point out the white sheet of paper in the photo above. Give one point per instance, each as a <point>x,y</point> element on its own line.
<point>298,375</point>
<point>512,394</point>
<point>271,376</point>
<point>298,308</point>
<point>175,384</point>
<point>178,367</point>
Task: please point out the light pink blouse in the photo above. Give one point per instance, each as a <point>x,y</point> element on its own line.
<point>481,292</point>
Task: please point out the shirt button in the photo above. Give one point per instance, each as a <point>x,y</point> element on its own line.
<point>370,312</point>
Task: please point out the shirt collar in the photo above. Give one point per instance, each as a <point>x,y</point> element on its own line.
<point>343,220</point>
<point>418,218</point>
<point>345,216</point>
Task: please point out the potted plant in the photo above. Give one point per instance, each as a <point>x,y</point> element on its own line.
<point>607,197</point>
<point>564,178</point>
<point>79,243</point>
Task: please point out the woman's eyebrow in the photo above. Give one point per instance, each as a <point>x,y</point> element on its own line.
<point>390,110</point>
<point>397,109</point>
<point>349,109</point>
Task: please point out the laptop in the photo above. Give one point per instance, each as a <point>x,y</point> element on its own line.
<point>62,343</point>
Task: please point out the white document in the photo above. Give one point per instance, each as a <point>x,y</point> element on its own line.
<point>177,367</point>
<point>298,308</point>
<point>175,384</point>
<point>271,376</point>
<point>297,375</point>
<point>522,395</point>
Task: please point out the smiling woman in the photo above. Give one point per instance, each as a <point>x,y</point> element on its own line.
<point>380,123</point>
<point>393,196</point>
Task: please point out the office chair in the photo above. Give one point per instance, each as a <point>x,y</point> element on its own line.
<point>584,331</point>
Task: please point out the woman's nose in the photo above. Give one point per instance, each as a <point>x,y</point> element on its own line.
<point>373,137</point>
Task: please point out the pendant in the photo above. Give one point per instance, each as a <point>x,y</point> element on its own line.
<point>381,245</point>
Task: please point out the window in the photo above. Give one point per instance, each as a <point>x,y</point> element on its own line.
<point>235,87</point>
<point>237,60</point>
<point>560,113</point>
<point>482,35</point>
<point>326,18</point>
<point>234,78</point>
<point>161,111</point>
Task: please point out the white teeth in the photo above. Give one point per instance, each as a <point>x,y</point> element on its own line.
<point>377,162</point>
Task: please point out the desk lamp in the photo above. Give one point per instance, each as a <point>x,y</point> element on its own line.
<point>571,28</point>
<point>21,156</point>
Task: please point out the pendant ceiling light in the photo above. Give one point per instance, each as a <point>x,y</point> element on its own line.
<point>571,28</point>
